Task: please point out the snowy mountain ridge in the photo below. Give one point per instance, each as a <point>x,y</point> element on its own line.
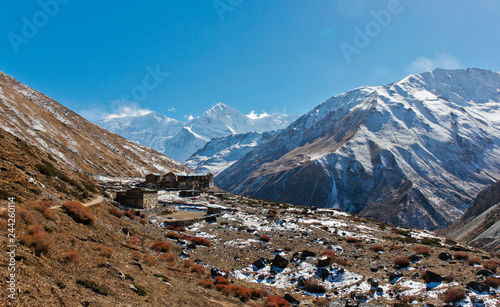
<point>414,152</point>
<point>180,140</point>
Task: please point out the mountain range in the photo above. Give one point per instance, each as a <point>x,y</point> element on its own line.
<point>180,140</point>
<point>414,153</point>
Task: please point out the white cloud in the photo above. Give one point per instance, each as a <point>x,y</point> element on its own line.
<point>118,109</point>
<point>440,60</point>
<point>189,117</point>
<point>253,115</point>
<point>171,110</point>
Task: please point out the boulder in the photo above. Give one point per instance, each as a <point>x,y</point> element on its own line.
<point>432,277</point>
<point>478,287</point>
<point>305,253</point>
<point>292,300</point>
<point>279,262</point>
<point>445,256</point>
<point>415,258</point>
<point>485,273</point>
<point>323,261</point>
<point>394,276</point>
<point>259,264</point>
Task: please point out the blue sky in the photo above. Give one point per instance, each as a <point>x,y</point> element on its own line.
<point>180,58</point>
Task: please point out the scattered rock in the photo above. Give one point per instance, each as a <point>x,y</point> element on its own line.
<point>432,277</point>
<point>415,258</point>
<point>485,273</point>
<point>445,256</point>
<point>211,219</point>
<point>214,272</point>
<point>259,264</point>
<point>279,262</point>
<point>292,300</point>
<point>374,269</point>
<point>137,264</point>
<point>305,253</point>
<point>394,276</point>
<point>478,287</point>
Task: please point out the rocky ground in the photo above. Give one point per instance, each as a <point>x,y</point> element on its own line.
<point>255,253</point>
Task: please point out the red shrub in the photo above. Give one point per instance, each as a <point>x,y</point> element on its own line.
<point>377,248</point>
<point>359,244</point>
<point>270,216</point>
<point>454,295</point>
<point>160,246</point>
<point>491,265</point>
<point>227,290</point>
<point>143,215</point>
<point>187,264</point>
<point>206,284</point>
<point>258,293</point>
<point>287,248</point>
<point>133,240</point>
<point>73,257</point>
<point>461,256</point>
<point>340,261</point>
<point>43,207</point>
<point>105,251</point>
<point>243,293</point>
<point>201,241</point>
<point>198,269</point>
<point>275,300</point>
<point>143,221</point>
<point>221,280</point>
<point>136,255</point>
<point>170,258</point>
<point>116,212</point>
<point>149,260</point>
<point>180,229</point>
<point>170,227</point>
<point>264,238</point>
<point>394,247</point>
<point>422,250</point>
<point>401,262</point>
<point>329,253</point>
<point>40,240</point>
<point>351,240</point>
<point>474,260</point>
<point>492,282</point>
<point>130,214</point>
<point>173,235</point>
<point>313,286</point>
<point>26,216</point>
<point>78,212</point>
<point>272,211</point>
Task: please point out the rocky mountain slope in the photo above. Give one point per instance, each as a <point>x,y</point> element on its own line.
<point>414,152</point>
<point>180,140</point>
<point>70,139</point>
<point>480,224</point>
<point>220,153</point>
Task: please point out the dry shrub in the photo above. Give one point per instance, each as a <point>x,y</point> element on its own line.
<point>43,207</point>
<point>422,250</point>
<point>359,244</point>
<point>265,238</point>
<point>133,240</point>
<point>27,216</point>
<point>173,235</point>
<point>136,255</point>
<point>242,293</point>
<point>492,282</point>
<point>454,295</point>
<point>78,212</point>
<point>377,248</point>
<point>149,260</point>
<point>187,264</point>
<point>180,229</point>
<point>116,212</point>
<point>491,265</point>
<point>340,261</point>
<point>275,300</point>
<point>170,227</point>
<point>351,240</point>
<point>143,215</point>
<point>206,284</point>
<point>38,239</point>
<point>105,251</point>
<point>329,253</point>
<point>170,258</point>
<point>474,261</point>
<point>72,257</point>
<point>272,211</point>
<point>401,262</point>
<point>201,241</point>
<point>198,269</point>
<point>461,256</point>
<point>313,286</point>
<point>161,247</point>
<point>287,248</point>
<point>258,293</point>
<point>449,278</point>
<point>186,237</point>
<point>143,221</point>
<point>221,280</point>
<point>130,214</point>
<point>270,216</point>
<point>227,290</point>
<point>394,247</point>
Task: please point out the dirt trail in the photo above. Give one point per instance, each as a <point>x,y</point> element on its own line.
<point>95,201</point>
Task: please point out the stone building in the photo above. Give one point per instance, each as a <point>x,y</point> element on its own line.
<point>138,198</point>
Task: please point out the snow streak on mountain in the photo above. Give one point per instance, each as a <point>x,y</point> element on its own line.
<point>415,152</point>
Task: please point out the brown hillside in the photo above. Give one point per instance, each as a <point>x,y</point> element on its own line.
<point>72,140</point>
